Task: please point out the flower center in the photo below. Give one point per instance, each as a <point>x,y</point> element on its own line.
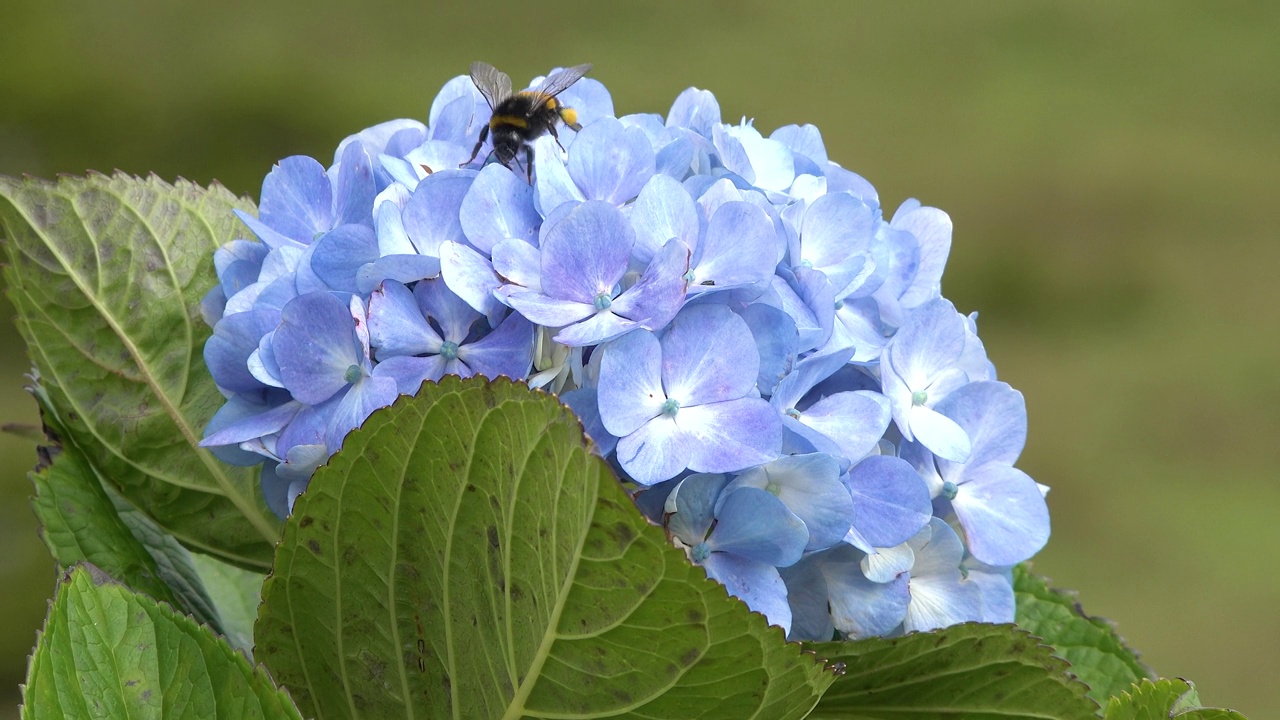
<point>700,552</point>
<point>688,275</point>
<point>671,407</point>
<point>839,304</point>
<point>603,301</point>
<point>449,350</point>
<point>806,264</point>
<point>919,397</point>
<point>793,413</point>
<point>352,374</point>
<point>774,488</point>
<point>950,490</point>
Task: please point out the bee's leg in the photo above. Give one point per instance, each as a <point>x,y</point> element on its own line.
<point>484,135</point>
<point>528,162</point>
<point>556,137</point>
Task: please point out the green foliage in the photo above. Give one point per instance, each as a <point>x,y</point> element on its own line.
<point>1164,700</point>
<point>465,555</point>
<point>235,593</point>
<point>972,670</point>
<point>1097,654</point>
<point>106,274</point>
<point>108,652</point>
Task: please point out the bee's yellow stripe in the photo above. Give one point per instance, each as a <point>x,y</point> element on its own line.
<point>500,120</point>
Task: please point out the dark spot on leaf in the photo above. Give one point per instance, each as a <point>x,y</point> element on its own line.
<point>621,695</point>
<point>314,546</point>
<point>305,521</point>
<point>517,594</point>
<point>694,615</point>
<point>689,657</point>
<point>350,554</point>
<point>492,532</point>
<point>470,488</point>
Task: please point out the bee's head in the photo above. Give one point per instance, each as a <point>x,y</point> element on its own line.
<point>505,152</point>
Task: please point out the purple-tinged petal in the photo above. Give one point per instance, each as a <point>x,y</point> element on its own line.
<point>994,416</point>
<point>776,338</point>
<point>586,253</point>
<point>314,346</point>
<point>740,247</point>
<point>549,311</point>
<point>590,99</point>
<point>227,351</point>
<point>931,228</point>
<point>457,87</point>
<point>630,386</point>
<point>377,138</point>
<point>708,355</point>
<point>995,586</point>
<point>554,186</point>
<point>470,276</point>
<point>399,268</point>
<point>340,254</point>
<point>355,189</point>
<point>757,584</point>
<point>449,312</point>
<point>255,425</point>
<point>890,502</point>
<point>599,328</point>
<point>804,376</point>
<point>610,162</point>
<point>507,350</point>
<point>659,293</point>
<point>365,396</point>
<point>854,421</point>
<point>675,158</point>
<point>269,237</point>
<point>499,206</point>
<point>388,222</point>
<point>1003,514</point>
<point>755,524</point>
<point>663,210</point>
<point>857,324</point>
<point>695,109</point>
<point>409,372</point>
<point>931,340</point>
<point>431,215</point>
<point>730,436</point>
<point>841,180</point>
<point>519,264</point>
<point>297,200</point>
<point>396,323</point>
<point>656,451</point>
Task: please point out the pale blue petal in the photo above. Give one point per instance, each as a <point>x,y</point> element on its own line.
<point>630,386</point>
<point>708,355</point>
<point>891,502</point>
<point>497,207</point>
<point>1003,514</point>
<point>730,436</point>
<point>610,162</point>
<point>757,584</point>
<point>755,524</point>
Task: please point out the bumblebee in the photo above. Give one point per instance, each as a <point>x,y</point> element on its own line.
<point>519,119</point>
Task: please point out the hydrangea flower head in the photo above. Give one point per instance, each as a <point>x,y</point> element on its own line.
<point>765,357</point>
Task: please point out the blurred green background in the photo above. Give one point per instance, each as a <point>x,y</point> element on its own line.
<point>1111,171</point>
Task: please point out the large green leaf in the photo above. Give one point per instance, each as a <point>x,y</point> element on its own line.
<point>1098,655</point>
<point>1164,700</point>
<point>106,274</point>
<point>465,555</point>
<point>972,670</point>
<point>108,652</point>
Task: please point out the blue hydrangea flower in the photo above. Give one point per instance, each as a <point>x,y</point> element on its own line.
<point>767,360</point>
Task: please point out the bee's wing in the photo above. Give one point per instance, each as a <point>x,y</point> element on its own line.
<point>492,83</point>
<point>558,82</point>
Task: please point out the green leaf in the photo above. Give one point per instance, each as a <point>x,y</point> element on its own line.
<point>1098,655</point>
<point>1164,700</point>
<point>106,275</point>
<point>972,670</point>
<point>84,520</point>
<point>465,555</point>
<point>235,593</point>
<point>109,652</point>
